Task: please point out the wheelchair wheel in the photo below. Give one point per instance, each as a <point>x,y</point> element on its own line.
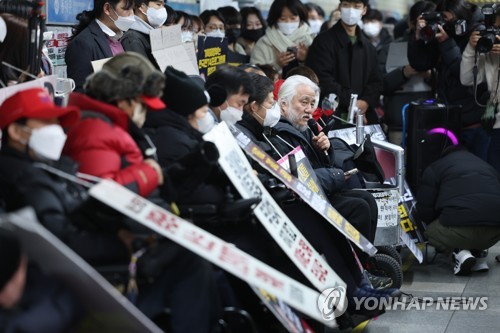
<point>388,266</point>
<point>390,251</point>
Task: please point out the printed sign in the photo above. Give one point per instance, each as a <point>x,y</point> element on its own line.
<point>284,232</point>
<point>169,50</point>
<point>287,317</point>
<point>320,205</point>
<point>304,170</point>
<point>210,247</point>
<point>106,309</point>
<point>212,52</point>
<point>387,203</point>
<point>47,82</point>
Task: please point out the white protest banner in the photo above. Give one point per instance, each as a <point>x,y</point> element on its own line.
<point>98,64</point>
<point>169,50</point>
<point>286,316</point>
<point>284,232</point>
<point>210,247</point>
<point>317,203</point>
<point>304,170</point>
<point>47,82</point>
<point>106,309</point>
<point>408,241</point>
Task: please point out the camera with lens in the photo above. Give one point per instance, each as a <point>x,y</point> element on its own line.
<point>488,31</point>
<point>432,21</point>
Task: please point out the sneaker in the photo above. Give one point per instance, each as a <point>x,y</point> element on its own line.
<point>379,282</point>
<point>480,265</point>
<point>464,261</point>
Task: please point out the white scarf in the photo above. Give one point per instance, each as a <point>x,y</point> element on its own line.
<point>281,42</point>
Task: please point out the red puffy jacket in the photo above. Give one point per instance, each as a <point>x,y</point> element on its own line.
<point>102,146</point>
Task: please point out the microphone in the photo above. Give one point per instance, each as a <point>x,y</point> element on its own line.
<point>313,126</point>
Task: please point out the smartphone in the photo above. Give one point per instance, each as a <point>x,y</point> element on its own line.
<point>292,49</point>
<point>351,172</point>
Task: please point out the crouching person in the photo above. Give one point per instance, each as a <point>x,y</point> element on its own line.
<point>459,195</point>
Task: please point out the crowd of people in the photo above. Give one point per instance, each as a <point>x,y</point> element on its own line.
<point>143,127</point>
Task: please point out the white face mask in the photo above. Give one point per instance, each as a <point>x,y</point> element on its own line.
<point>139,116</point>
<point>315,26</point>
<point>156,17</point>
<point>206,123</point>
<point>350,16</point>
<point>231,115</point>
<point>123,22</point>
<point>288,28</point>
<point>272,117</point>
<point>3,30</point>
<point>372,29</point>
<point>47,142</point>
<point>216,33</point>
<point>187,36</point>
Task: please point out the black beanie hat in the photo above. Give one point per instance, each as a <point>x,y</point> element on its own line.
<point>183,94</point>
<point>10,249</point>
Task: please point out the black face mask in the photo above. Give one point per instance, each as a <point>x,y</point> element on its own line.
<point>232,35</point>
<point>253,35</point>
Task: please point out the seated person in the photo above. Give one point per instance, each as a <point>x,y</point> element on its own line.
<point>177,134</point>
<point>458,196</point>
<point>29,300</point>
<point>32,137</point>
<point>113,106</point>
<point>238,87</point>
<point>297,99</point>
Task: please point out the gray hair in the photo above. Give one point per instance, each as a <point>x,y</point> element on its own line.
<point>289,88</point>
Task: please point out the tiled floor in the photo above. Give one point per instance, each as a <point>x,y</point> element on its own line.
<point>437,280</point>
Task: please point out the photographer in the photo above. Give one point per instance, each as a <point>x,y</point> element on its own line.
<point>439,41</point>
<point>488,66</point>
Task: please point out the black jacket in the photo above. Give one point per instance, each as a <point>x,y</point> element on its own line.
<point>175,139</point>
<point>139,42</point>
<point>89,45</point>
<point>284,137</point>
<point>383,48</point>
<point>461,190</point>
<point>344,68</point>
<point>62,206</point>
<point>394,96</point>
<point>446,58</point>
<point>45,307</point>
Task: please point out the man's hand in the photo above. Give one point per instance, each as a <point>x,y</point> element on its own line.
<point>321,141</point>
<point>474,37</point>
<point>363,107</point>
<point>496,47</point>
<point>302,52</point>
<point>442,35</point>
<point>152,163</point>
<point>284,58</point>
<point>419,25</point>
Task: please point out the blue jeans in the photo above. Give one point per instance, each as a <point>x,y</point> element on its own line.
<point>494,151</point>
<point>477,141</point>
